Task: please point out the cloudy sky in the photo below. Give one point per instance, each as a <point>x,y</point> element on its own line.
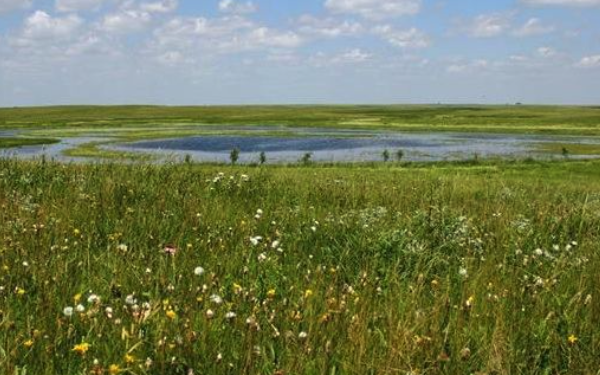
<point>299,51</point>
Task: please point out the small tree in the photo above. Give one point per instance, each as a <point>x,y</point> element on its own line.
<point>234,155</point>
<point>262,158</point>
<point>399,155</point>
<point>565,152</point>
<point>306,158</point>
<point>386,155</point>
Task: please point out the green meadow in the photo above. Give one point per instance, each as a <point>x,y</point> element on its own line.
<point>477,267</point>
<point>464,268</point>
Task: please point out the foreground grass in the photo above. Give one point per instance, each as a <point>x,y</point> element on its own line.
<point>10,142</point>
<point>448,269</point>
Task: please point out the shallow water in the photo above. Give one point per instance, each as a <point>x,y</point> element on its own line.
<point>349,146</point>
<point>325,145</point>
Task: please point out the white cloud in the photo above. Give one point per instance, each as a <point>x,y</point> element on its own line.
<point>329,27</point>
<point>533,26</point>
<point>350,57</point>
<point>375,9</point>
<point>126,21</point>
<point>546,51</point>
<point>77,5</point>
<point>489,25</point>
<point>579,3</point>
<point>221,35</point>
<point>411,38</point>
<point>41,26</point>
<point>10,5</point>
<point>234,7</point>
<point>164,6</point>
<point>590,62</point>
<point>132,17</point>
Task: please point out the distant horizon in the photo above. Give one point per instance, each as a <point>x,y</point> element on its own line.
<point>247,52</point>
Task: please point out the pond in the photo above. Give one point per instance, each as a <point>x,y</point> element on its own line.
<point>352,146</point>
<point>324,145</point>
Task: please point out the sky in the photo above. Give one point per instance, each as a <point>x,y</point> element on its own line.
<point>205,52</point>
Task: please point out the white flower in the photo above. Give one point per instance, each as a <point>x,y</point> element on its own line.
<point>148,271</point>
<point>538,252</point>
<point>314,229</point>
<point>255,240</point>
<point>275,244</point>
<point>80,308</point>
<point>198,271</point>
<point>25,264</point>
<point>68,311</point>
<point>262,257</point>
<point>93,298</point>
<point>216,299</point>
<point>462,271</point>
<point>130,300</point>
<point>230,315</point>
<point>245,177</point>
<point>109,312</point>
<point>303,335</point>
<point>122,247</point>
<point>209,313</point>
<point>259,212</point>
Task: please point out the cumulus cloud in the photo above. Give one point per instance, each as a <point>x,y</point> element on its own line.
<point>533,26</point>
<point>329,27</point>
<point>576,3</point>
<point>411,38</point>
<point>77,5</point>
<point>131,17</point>
<point>10,5</point>
<point>234,7</point>
<point>488,25</point>
<point>375,9</point>
<point>546,51</point>
<point>40,26</point>
<point>590,62</point>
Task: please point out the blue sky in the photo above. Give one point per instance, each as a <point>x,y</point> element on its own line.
<point>308,51</point>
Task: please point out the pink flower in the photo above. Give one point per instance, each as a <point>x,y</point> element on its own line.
<point>170,249</point>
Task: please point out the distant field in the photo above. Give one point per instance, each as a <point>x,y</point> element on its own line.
<point>141,121</point>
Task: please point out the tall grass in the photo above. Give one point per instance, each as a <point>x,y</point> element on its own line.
<point>182,269</point>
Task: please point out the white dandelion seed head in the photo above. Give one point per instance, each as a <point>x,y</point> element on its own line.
<point>198,271</point>
<point>68,311</point>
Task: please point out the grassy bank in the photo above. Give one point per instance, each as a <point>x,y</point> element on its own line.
<point>10,142</point>
<point>446,269</point>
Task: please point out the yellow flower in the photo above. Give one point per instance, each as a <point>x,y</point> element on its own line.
<point>573,339</point>
<point>271,293</point>
<point>81,348</point>
<point>76,232</point>
<point>129,359</point>
<point>114,369</point>
<point>20,291</point>
<point>171,314</point>
<point>28,343</point>
<point>77,297</point>
<point>308,293</point>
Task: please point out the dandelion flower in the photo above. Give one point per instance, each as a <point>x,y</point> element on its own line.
<point>210,314</point>
<point>114,369</point>
<point>171,314</point>
<point>129,359</point>
<point>80,308</point>
<point>198,271</point>
<point>230,315</point>
<point>81,348</point>
<point>572,339</point>
<point>302,335</point>
<point>271,293</point>
<point>93,299</point>
<point>463,272</point>
<point>68,311</point>
<point>308,293</point>
<point>28,343</point>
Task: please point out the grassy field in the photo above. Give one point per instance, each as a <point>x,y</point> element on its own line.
<point>478,268</point>
<point>142,121</point>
